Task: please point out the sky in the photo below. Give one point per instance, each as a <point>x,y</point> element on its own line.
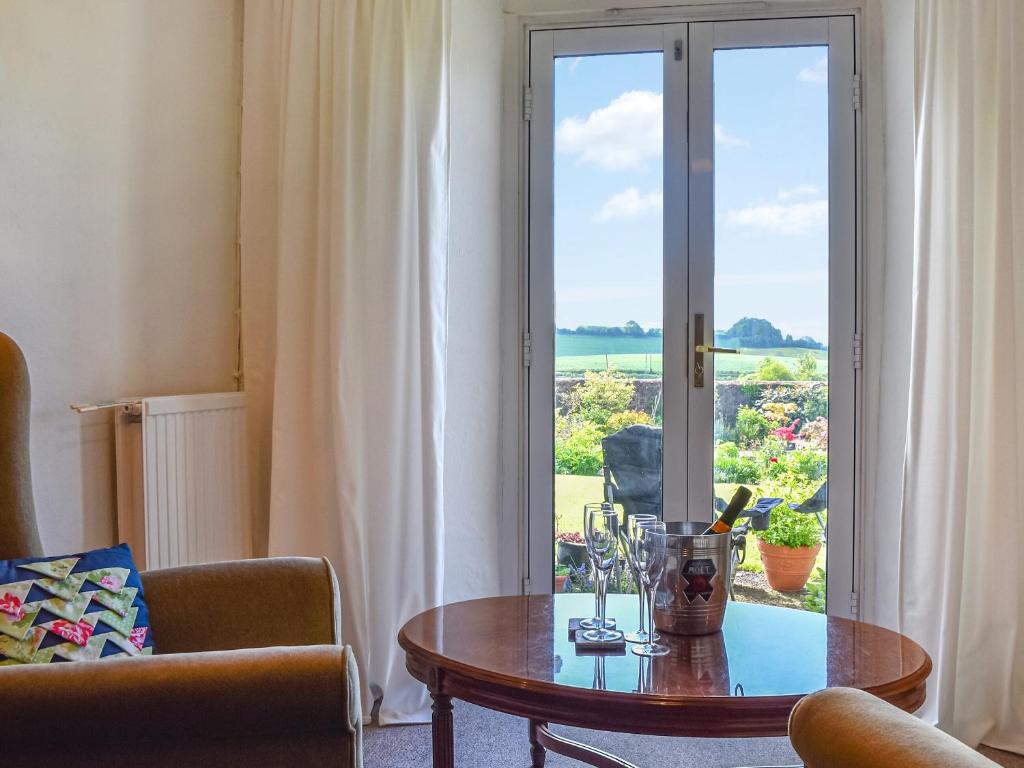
<point>771,184</point>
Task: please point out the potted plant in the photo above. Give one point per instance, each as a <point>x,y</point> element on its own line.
<point>561,575</point>
<point>789,548</point>
<point>571,550</point>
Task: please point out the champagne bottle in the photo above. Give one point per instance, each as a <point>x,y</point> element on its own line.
<point>725,523</point>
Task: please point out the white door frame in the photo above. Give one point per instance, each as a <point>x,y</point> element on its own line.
<point>836,32</point>
<point>541,42</point>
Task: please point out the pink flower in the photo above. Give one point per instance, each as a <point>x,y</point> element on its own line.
<point>138,637</point>
<point>774,460</point>
<point>78,634</point>
<point>12,606</point>
<point>110,582</point>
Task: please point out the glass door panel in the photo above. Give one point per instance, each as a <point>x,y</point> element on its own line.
<point>771,295</point>
<point>775,255</point>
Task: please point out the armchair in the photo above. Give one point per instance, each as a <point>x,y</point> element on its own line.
<point>249,669</point>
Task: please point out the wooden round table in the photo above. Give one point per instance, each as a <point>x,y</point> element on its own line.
<point>514,655</point>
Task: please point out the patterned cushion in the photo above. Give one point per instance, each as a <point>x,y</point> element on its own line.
<point>76,608</point>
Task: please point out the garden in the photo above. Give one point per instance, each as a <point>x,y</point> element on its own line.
<point>771,435</point>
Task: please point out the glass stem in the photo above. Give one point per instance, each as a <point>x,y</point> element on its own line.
<point>602,587</point>
<point>642,593</point>
<point>650,615</point>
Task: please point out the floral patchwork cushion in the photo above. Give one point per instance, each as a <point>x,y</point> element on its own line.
<point>76,608</point>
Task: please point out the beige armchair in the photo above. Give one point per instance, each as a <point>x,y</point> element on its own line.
<point>266,682</point>
<point>848,728</point>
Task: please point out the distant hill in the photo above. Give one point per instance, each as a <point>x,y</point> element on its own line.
<point>749,332</point>
<point>757,333</point>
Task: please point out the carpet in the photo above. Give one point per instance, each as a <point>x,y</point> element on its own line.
<point>484,738</point>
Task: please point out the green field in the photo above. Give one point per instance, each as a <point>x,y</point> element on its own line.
<point>641,357</point>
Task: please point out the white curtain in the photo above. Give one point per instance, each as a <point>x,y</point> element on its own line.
<point>962,577</point>
<point>344,249</point>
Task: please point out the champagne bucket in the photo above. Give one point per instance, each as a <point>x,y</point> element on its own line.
<point>694,587</point>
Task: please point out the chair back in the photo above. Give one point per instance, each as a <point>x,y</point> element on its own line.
<point>632,462</point>
<point>19,536</point>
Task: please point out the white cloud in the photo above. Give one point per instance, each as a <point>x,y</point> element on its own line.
<point>589,294</point>
<point>799,191</point>
<point>725,139</point>
<point>782,218</point>
<point>622,135</point>
<point>816,73</point>
<point>629,204</point>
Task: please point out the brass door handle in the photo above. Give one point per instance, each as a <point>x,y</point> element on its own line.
<point>700,349</point>
<point>704,349</point>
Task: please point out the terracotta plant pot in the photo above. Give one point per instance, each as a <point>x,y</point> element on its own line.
<point>787,568</point>
<point>560,584</point>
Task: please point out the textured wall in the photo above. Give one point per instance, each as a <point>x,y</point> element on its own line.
<point>118,129</point>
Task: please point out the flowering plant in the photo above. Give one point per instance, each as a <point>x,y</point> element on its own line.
<point>787,433</point>
<point>571,537</point>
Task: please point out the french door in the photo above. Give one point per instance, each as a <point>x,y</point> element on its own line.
<point>692,283</point>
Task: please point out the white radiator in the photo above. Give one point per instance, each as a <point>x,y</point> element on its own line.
<point>182,479</point>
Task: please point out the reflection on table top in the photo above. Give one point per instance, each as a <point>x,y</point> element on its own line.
<point>761,651</point>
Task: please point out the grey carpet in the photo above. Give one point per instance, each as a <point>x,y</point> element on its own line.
<point>491,739</point>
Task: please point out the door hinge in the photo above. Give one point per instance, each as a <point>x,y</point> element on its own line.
<point>858,351</point>
<point>857,97</point>
<point>527,349</point>
<point>679,50</point>
<point>526,586</point>
<point>527,103</point>
<point>855,605</point>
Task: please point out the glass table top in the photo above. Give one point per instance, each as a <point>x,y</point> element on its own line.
<point>761,651</point>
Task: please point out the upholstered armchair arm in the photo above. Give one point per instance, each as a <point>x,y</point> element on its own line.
<point>848,728</point>
<point>243,604</point>
<point>271,706</point>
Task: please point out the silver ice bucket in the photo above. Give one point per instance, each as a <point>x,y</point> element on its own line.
<point>694,587</point>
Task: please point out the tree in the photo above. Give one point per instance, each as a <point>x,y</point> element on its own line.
<point>807,367</point>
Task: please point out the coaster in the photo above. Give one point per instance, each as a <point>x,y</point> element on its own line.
<point>574,627</point>
<point>606,648</point>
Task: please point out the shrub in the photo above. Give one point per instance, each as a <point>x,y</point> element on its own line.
<point>815,433</point>
<point>814,600</point>
<point>625,419</point>
<point>578,450</point>
<point>751,426</point>
<point>730,467</point>
<point>778,413</point>
<point>771,369</point>
<point>602,394</point>
<point>807,367</point>
<point>815,404</point>
<point>789,528</point>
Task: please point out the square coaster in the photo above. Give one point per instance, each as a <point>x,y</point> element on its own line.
<point>607,648</point>
<point>574,626</point>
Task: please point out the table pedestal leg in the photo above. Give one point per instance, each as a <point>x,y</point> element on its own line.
<point>537,751</point>
<point>443,732</point>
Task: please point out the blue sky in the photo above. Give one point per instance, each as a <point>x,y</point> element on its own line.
<point>771,237</point>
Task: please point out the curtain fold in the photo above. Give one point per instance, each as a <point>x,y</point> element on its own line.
<point>961,574</point>
<point>344,235</point>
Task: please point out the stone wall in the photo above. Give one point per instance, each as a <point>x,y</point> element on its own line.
<point>729,395</point>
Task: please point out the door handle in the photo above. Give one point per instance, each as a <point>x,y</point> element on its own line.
<point>700,349</point>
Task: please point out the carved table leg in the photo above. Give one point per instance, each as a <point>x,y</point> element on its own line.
<point>443,733</point>
<point>537,751</point>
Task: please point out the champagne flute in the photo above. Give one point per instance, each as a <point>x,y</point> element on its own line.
<point>650,551</point>
<point>602,534</point>
<point>596,622</point>
<point>636,522</point>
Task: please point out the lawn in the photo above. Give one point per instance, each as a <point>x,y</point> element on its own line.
<point>573,491</point>
<point>648,362</point>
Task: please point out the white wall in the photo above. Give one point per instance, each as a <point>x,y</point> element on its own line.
<point>118,127</point>
<point>472,424</point>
